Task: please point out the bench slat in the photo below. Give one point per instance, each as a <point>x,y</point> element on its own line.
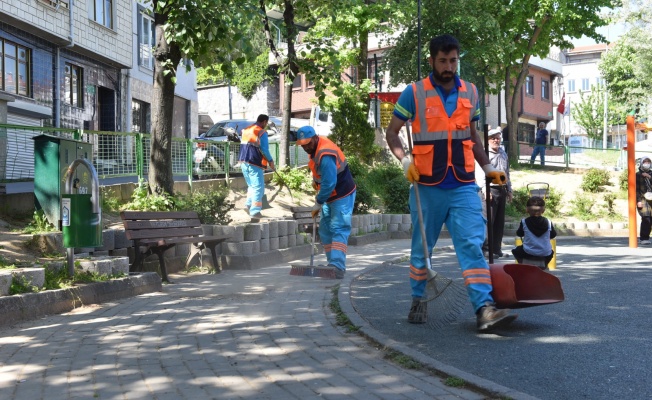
<point>161,224</point>
<point>125,215</point>
<point>163,233</point>
<point>197,239</point>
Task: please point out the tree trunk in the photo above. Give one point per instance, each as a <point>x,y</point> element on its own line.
<point>160,175</point>
<point>292,71</point>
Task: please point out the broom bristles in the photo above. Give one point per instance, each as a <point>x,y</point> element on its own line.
<point>318,272</point>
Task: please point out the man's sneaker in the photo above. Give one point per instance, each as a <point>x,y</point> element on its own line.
<point>491,318</point>
<point>418,311</point>
<point>256,217</point>
<point>645,242</point>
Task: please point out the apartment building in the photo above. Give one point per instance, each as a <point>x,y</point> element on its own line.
<point>537,102</point>
<point>81,64</point>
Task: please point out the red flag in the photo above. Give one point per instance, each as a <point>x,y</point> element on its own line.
<point>562,105</point>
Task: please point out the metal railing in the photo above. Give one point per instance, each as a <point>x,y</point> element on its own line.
<point>579,156</point>
<point>125,154</point>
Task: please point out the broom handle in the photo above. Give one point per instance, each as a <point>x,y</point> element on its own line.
<point>424,242</point>
<point>312,244</point>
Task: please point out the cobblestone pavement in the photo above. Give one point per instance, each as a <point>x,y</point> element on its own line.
<point>261,334</point>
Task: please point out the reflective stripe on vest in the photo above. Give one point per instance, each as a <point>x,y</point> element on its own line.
<point>250,146</point>
<point>345,184</point>
<point>441,141</point>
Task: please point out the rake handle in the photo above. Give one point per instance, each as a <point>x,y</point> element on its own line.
<point>422,229</point>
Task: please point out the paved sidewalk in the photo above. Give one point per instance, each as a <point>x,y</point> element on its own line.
<point>261,334</point>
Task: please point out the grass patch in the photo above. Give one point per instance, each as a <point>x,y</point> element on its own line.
<point>403,360</point>
<point>454,381</point>
<point>340,318</point>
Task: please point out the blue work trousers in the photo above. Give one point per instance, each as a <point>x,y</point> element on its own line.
<point>255,179</point>
<point>335,228</point>
<point>461,210</point>
<point>541,150</point>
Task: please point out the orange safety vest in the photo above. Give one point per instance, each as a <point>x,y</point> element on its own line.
<point>250,146</point>
<point>440,141</point>
<point>345,184</point>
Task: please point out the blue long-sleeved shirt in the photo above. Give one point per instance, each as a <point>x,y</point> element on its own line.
<point>264,147</point>
<point>328,172</point>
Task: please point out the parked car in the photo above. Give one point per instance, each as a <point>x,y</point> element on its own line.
<point>205,122</point>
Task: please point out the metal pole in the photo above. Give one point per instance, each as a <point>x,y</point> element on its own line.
<point>377,102</point>
<point>230,108</point>
<point>419,40</point>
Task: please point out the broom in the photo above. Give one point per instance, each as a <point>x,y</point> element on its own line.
<point>311,270</point>
<point>449,306</point>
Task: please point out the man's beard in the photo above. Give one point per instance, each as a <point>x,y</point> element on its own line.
<point>443,79</point>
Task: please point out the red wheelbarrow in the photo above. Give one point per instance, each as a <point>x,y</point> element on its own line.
<point>523,285</point>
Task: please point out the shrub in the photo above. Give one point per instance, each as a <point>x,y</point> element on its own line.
<point>212,206</point>
<point>396,195</point>
<point>518,207</point>
<point>609,199</point>
<point>622,180</point>
<point>364,199</point>
<point>142,200</point>
<point>594,179</point>
<point>581,206</point>
<point>294,179</point>
<point>39,223</point>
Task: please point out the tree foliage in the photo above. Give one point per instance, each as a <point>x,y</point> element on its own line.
<point>589,112</point>
<point>498,39</point>
<point>247,77</point>
<point>627,67</point>
<point>352,132</point>
<point>205,32</point>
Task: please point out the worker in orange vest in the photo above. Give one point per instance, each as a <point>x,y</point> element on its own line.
<point>444,112</point>
<point>335,195</point>
<point>255,157</point>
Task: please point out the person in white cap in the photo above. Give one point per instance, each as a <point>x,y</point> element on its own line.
<point>499,194</point>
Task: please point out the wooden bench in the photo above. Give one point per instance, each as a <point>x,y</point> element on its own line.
<point>156,232</point>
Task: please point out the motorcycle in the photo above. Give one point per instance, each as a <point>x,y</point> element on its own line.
<point>209,160</point>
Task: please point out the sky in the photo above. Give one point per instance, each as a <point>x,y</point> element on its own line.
<point>611,32</point>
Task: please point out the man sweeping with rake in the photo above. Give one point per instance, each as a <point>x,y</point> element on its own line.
<point>444,111</point>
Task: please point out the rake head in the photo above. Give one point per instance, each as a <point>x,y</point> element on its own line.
<point>446,297</point>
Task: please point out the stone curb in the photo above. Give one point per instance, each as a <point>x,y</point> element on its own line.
<point>28,306</point>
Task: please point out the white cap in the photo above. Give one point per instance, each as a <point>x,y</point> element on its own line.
<point>495,131</point>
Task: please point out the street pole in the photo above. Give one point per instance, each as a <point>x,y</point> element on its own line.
<point>604,134</point>
<point>230,108</point>
<point>419,40</point>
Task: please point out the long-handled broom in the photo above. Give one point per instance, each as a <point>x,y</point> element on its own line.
<point>311,270</point>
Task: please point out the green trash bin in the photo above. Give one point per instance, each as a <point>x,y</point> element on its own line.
<point>81,227</point>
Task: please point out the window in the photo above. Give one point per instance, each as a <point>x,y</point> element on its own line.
<point>296,84</point>
<point>103,12</point>
<point>371,71</point>
<point>571,85</point>
<point>140,116</point>
<point>599,82</point>
<point>545,90</point>
<point>56,3</point>
<point>74,83</point>
<point>529,85</point>
<point>585,84</point>
<point>14,68</point>
<point>146,39</point>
